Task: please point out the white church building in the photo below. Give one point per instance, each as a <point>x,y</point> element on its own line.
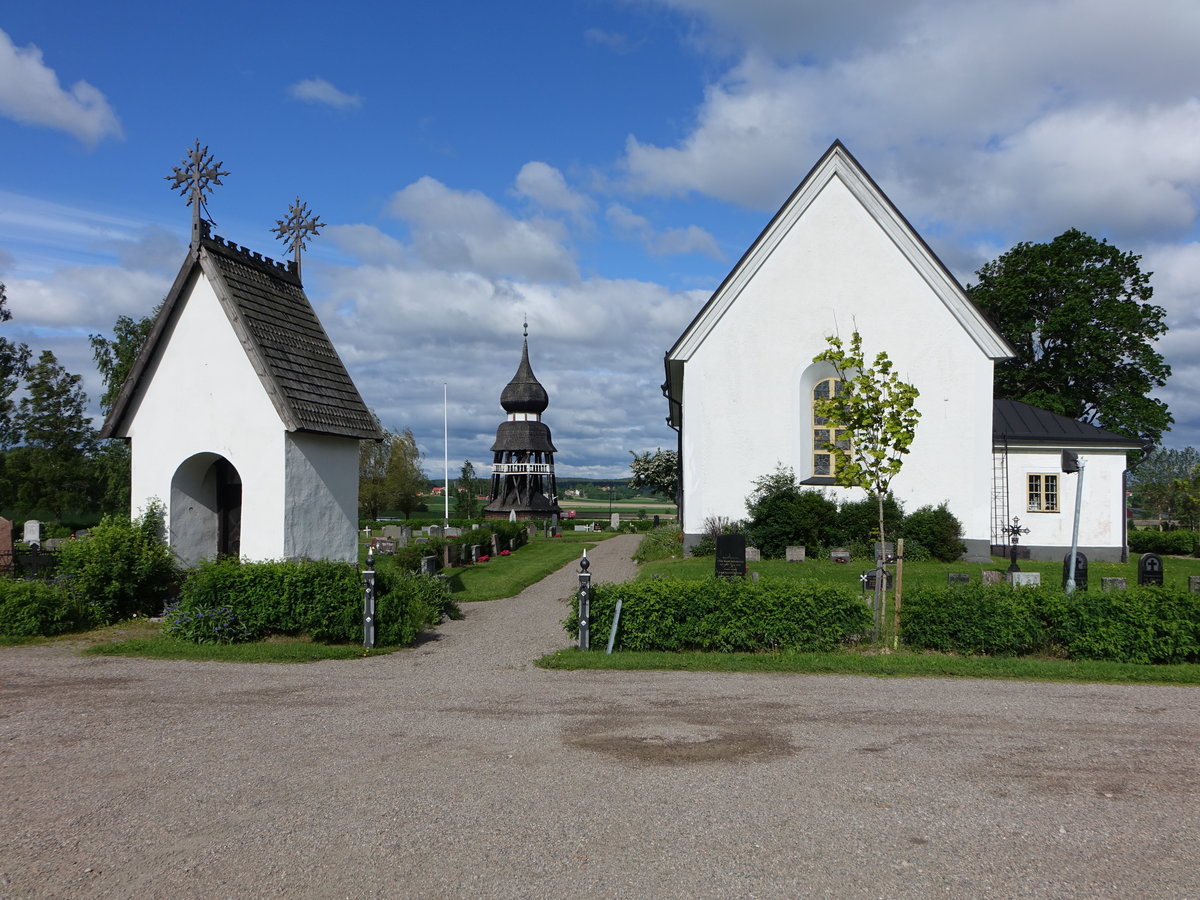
<point>839,257</point>
<point>241,417</point>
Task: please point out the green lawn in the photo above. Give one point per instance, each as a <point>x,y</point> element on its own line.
<point>921,574</point>
<point>507,576</point>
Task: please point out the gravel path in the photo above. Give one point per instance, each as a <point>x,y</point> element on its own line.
<point>459,769</point>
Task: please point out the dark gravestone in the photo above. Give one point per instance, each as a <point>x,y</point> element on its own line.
<point>868,580</point>
<point>1150,569</point>
<point>885,551</point>
<point>1081,567</point>
<point>731,556</point>
<point>429,565</point>
<point>953,578</point>
<point>656,521</point>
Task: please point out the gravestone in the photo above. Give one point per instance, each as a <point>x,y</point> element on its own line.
<point>1081,567</point>
<point>512,515</point>
<point>474,526</point>
<point>614,521</point>
<point>794,554</point>
<point>405,536</point>
<point>553,522</point>
<point>869,578</point>
<point>436,531</point>
<point>839,555</point>
<point>1112,584</point>
<point>476,552</point>
<point>1194,584</point>
<point>556,531</point>
<point>1150,569</point>
<point>392,532</point>
<point>452,532</point>
<point>449,555</point>
<point>385,546</point>
<point>992,576</point>
<point>953,578</point>
<point>33,532</point>
<point>583,527</point>
<point>6,545</point>
<point>731,556</point>
<point>429,565</point>
<point>885,551</point>
<point>753,555</point>
<point>1025,579</point>
<point>495,544</point>
<point>531,531</point>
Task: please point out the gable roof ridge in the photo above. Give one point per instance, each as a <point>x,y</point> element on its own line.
<point>1021,422</point>
<point>838,161</point>
<point>279,330</point>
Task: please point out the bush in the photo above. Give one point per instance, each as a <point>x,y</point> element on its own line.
<point>664,542</point>
<point>1144,625</point>
<point>1167,543</point>
<point>992,620</point>
<point>782,513</point>
<point>121,568</point>
<point>39,609</point>
<point>725,615</point>
<point>858,522</point>
<point>934,529</point>
<point>226,601</point>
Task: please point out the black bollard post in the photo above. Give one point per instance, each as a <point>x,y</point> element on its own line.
<point>585,603</point>
<point>369,601</point>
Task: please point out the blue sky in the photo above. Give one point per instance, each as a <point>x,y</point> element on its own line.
<point>596,166</point>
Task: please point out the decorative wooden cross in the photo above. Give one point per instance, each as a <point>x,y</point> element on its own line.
<point>295,229</point>
<point>195,179</point>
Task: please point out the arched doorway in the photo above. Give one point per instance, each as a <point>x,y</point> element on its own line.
<point>206,509</point>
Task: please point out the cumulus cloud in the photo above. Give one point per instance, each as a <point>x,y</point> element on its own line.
<point>318,90</point>
<point>30,94</point>
<point>545,186</point>
<point>466,230</point>
<point>671,241</point>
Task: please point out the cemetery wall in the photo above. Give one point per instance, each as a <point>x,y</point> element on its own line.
<point>747,399</point>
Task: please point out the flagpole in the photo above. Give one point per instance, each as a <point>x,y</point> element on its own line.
<point>446,449</point>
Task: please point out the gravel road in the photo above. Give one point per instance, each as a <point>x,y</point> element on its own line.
<point>459,769</point>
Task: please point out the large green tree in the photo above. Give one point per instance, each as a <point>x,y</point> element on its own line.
<point>1077,312</point>
<point>115,356</point>
<point>51,466</point>
<point>1158,477</point>
<point>390,474</point>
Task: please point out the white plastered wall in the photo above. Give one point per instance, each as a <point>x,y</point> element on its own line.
<point>201,395</point>
<point>745,402</point>
<point>1101,513</point>
<point>322,497</point>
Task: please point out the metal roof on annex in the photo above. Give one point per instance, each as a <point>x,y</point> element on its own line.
<point>1018,422</point>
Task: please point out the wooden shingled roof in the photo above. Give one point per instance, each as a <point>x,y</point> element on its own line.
<point>299,368</point>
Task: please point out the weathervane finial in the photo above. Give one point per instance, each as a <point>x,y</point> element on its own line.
<point>295,229</point>
<point>526,326</point>
<point>195,179</point>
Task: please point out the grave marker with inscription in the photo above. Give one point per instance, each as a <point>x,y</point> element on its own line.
<point>731,556</point>
<point>954,578</point>
<point>1113,584</point>
<point>1081,571</point>
<point>793,554</point>
<point>33,532</point>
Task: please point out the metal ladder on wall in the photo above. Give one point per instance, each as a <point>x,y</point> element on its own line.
<point>999,494</point>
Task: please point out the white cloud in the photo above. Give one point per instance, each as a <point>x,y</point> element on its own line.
<point>30,94</point>
<point>545,186</point>
<point>672,241</point>
<point>618,43</point>
<point>466,230</point>
<point>318,90</point>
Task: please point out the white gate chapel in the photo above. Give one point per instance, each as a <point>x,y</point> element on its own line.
<point>241,416</point>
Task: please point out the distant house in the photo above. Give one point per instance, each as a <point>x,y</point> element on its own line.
<point>838,256</point>
<point>241,416</point>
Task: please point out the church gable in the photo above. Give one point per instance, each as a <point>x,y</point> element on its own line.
<point>837,173</point>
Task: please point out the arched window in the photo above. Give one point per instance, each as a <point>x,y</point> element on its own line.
<point>824,462</point>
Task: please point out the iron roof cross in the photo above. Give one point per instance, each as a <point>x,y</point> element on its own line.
<point>294,230</point>
<point>196,178</point>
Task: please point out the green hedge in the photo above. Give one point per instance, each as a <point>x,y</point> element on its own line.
<point>40,608</point>
<point>1167,543</point>
<point>725,615</point>
<point>1141,625</point>
<point>227,601</point>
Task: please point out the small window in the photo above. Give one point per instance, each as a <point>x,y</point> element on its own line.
<point>824,462</point>
<point>1043,493</point>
